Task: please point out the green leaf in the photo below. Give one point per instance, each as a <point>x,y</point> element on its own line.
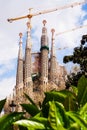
<point>59,96</point>
<point>39,119</point>
<point>30,124</point>
<point>70,104</point>
<point>82,90</point>
<point>38,115</point>
<point>30,99</point>
<point>57,115</point>
<point>31,109</point>
<point>78,119</point>
<point>83,109</point>
<point>75,90</point>
<point>83,112</point>
<point>2,103</point>
<point>61,128</point>
<point>7,120</point>
<point>74,126</point>
<point>42,120</point>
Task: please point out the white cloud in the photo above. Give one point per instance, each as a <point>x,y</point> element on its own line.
<point>6,87</point>
<point>7,67</point>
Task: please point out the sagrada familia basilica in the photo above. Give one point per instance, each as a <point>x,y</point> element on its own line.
<point>45,74</point>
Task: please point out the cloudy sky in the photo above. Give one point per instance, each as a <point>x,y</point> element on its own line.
<point>62,20</point>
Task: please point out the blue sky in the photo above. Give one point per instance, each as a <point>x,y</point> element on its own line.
<point>9,33</point>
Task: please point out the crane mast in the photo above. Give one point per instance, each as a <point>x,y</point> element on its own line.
<point>46,11</point>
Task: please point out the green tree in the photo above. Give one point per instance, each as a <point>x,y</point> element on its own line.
<point>80,57</point>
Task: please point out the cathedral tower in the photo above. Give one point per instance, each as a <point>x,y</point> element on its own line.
<point>19,76</point>
<point>44,55</point>
<point>28,84</point>
<point>28,69</point>
<point>53,61</point>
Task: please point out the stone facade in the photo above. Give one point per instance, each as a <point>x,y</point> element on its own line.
<point>48,74</point>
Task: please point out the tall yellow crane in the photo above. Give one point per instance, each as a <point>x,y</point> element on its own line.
<point>29,16</point>
<point>46,11</point>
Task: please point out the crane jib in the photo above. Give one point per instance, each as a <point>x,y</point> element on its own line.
<point>46,11</point>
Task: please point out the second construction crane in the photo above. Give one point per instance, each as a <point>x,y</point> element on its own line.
<point>70,30</point>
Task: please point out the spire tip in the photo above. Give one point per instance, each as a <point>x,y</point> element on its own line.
<point>53,30</point>
<point>44,22</point>
<point>28,25</point>
<point>20,35</point>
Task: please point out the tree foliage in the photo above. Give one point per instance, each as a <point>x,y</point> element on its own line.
<point>80,57</point>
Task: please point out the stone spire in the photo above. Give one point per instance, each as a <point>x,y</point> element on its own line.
<point>44,55</point>
<point>53,61</point>
<point>19,76</point>
<point>53,44</point>
<point>28,69</point>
